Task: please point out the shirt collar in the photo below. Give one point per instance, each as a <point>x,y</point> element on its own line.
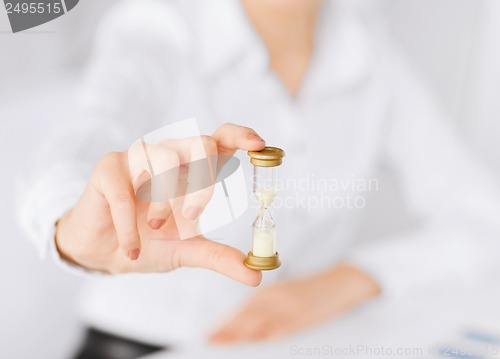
<point>342,55</point>
<point>226,37</point>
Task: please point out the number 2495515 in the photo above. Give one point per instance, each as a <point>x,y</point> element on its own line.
<point>33,8</point>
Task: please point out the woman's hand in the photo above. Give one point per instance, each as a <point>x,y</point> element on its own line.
<point>285,308</point>
<point>111,230</point>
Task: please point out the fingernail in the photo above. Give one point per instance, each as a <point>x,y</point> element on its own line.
<point>156,223</point>
<point>255,137</point>
<point>134,254</point>
<point>192,213</point>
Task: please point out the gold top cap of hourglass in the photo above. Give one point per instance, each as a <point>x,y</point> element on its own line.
<point>268,157</point>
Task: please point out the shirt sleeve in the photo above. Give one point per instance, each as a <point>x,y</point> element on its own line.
<point>453,201</point>
<point>126,91</point>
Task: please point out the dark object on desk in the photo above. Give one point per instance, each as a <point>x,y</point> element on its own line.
<point>100,345</point>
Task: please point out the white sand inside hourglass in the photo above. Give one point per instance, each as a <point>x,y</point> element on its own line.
<point>264,238</point>
<point>263,243</point>
<point>265,196</point>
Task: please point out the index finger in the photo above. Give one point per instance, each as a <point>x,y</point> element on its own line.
<point>230,138</point>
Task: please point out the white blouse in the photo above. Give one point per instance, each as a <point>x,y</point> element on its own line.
<point>360,108</point>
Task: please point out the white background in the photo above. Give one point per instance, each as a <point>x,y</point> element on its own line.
<point>453,42</point>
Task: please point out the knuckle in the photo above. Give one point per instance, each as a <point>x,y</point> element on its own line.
<point>136,152</point>
<point>137,146</point>
<point>227,127</point>
<point>109,160</point>
<point>227,124</point>
<point>106,167</point>
<point>166,157</point>
<point>209,144</point>
<point>123,201</point>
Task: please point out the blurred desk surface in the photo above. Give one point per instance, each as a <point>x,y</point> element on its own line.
<point>459,323</point>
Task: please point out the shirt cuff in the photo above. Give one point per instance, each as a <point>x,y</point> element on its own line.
<point>42,207</point>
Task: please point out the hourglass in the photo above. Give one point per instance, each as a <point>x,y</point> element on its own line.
<point>263,255</point>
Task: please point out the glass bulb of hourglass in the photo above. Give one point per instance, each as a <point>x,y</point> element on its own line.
<point>264,235</point>
<point>265,196</point>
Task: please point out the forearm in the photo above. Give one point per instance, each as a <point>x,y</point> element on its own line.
<point>287,307</point>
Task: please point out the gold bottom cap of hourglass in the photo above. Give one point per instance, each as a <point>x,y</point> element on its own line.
<point>262,263</point>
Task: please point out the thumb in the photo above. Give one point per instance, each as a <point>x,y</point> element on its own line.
<point>203,253</point>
